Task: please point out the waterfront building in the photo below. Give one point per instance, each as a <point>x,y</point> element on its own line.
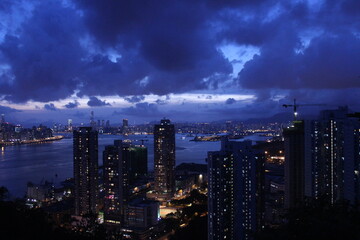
<point>164,160</point>
<point>38,193</point>
<point>55,128</point>
<point>70,125</point>
<point>125,126</point>
<point>85,170</point>
<point>18,128</point>
<point>92,120</point>
<point>125,122</point>
<point>232,191</point>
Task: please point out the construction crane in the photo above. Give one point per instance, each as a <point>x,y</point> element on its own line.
<point>354,115</point>
<point>295,107</point>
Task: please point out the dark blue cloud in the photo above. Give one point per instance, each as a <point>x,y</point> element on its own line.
<point>161,102</point>
<point>301,48</point>
<point>351,7</point>
<point>50,107</point>
<point>95,102</point>
<point>44,55</point>
<point>167,45</point>
<point>140,109</point>
<point>135,99</point>
<point>230,101</point>
<point>70,105</point>
<point>329,62</point>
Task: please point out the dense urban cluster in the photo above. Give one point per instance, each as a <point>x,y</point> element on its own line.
<point>247,189</point>
<point>16,134</point>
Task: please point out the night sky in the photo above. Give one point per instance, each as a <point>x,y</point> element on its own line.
<point>188,60</point>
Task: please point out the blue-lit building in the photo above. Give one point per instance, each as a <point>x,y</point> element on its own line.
<point>233,192</point>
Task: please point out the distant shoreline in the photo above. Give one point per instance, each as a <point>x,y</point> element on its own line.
<point>35,141</point>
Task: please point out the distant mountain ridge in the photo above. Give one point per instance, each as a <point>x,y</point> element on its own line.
<point>279,117</point>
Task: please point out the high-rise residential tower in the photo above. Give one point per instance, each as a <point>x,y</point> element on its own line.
<point>164,159</point>
<point>85,170</point>
<point>92,120</point>
<point>125,122</point>
<point>116,181</point>
<point>294,164</point>
<point>121,168</point>
<point>332,157</point>
<point>138,162</point>
<point>125,126</point>
<point>322,159</point>
<point>233,191</point>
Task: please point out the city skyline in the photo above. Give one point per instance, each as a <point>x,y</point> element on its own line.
<point>251,187</point>
<point>201,60</point>
<point>180,119</point>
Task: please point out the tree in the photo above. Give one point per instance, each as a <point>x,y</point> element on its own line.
<point>17,221</point>
<point>196,229</point>
<point>317,220</point>
<point>4,193</point>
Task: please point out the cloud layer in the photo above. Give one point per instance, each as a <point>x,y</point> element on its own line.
<point>53,50</point>
<point>5,109</point>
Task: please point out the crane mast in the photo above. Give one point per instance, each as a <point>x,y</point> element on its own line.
<point>295,107</point>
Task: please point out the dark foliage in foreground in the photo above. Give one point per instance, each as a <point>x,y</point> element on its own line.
<point>197,229</point>
<point>318,220</point>
<point>19,222</point>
